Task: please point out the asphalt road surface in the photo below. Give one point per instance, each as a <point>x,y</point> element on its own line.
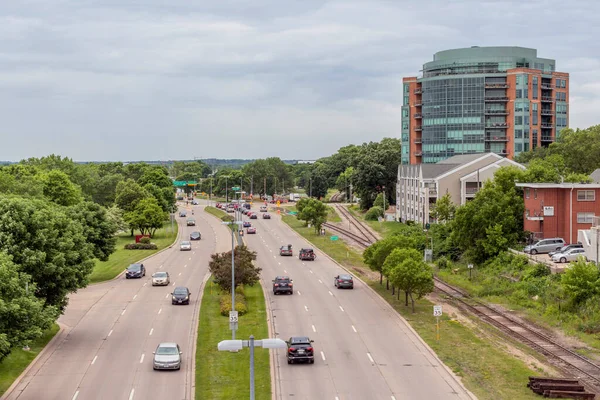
<point>112,329</point>
<point>363,350</point>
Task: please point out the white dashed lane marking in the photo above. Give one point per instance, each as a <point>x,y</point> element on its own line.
<point>94,360</point>
<point>341,309</point>
<point>354,329</point>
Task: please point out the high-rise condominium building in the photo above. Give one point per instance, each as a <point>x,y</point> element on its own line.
<point>503,100</point>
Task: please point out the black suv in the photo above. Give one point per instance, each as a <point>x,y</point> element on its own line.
<point>300,349</point>
<point>135,271</point>
<point>195,236</point>
<point>181,295</point>
<point>283,284</point>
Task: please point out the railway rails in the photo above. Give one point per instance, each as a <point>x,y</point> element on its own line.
<point>368,236</point>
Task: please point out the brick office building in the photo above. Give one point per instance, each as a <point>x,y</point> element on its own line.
<point>559,209</point>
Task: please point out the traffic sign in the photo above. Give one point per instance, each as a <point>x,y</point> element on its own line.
<point>437,311</point>
<point>235,188</point>
<point>278,203</point>
<point>233,316</point>
<point>334,238</point>
<point>470,266</point>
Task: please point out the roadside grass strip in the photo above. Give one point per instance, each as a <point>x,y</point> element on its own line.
<point>224,375</point>
<point>121,258</point>
<point>18,359</point>
<point>474,351</point>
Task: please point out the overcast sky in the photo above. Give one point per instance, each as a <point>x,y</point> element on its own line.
<point>177,79</point>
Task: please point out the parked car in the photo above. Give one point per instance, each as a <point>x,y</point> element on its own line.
<point>167,356</point>
<point>251,231</point>
<point>565,248</point>
<point>183,213</point>
<point>185,246</point>
<point>307,254</point>
<point>283,284</point>
<point>195,202</point>
<point>135,271</point>
<point>545,246</point>
<point>569,255</point>
<point>253,216</point>
<point>300,349</point>
<point>266,216</point>
<point>160,278</point>
<point>247,224</point>
<point>343,281</point>
<point>181,295</point>
<point>286,250</point>
<point>263,208</point>
<point>195,236</point>
<point>191,222</point>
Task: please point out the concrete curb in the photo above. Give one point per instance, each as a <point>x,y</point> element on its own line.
<point>387,305</point>
<point>50,345</point>
<point>194,335</point>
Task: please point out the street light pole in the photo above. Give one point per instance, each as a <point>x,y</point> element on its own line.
<point>210,196</point>
<point>231,225</point>
<point>310,184</point>
<point>251,345</point>
<point>226,193</point>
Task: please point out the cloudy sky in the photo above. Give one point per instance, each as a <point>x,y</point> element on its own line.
<point>175,79</point>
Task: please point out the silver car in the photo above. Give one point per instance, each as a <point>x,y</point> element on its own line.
<point>167,356</point>
<point>569,255</point>
<point>185,246</point>
<point>545,246</point>
<point>160,279</point>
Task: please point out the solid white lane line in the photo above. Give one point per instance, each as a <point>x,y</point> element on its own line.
<point>151,331</point>
<point>330,293</point>
<point>320,281</point>
<point>145,283</point>
<point>179,274</point>
<point>75,395</point>
<point>311,271</point>
<point>110,333</point>
<point>159,311</point>
<point>142,358</point>
<point>370,358</point>
<point>323,356</point>
<point>134,297</point>
<point>299,293</point>
<point>306,308</point>
<point>131,394</point>
<point>314,329</point>
<point>123,312</point>
<point>341,309</point>
<point>354,329</point>
<point>94,360</point>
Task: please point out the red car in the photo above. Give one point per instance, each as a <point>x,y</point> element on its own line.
<point>250,231</point>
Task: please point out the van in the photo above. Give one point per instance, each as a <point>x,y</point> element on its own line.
<point>545,246</point>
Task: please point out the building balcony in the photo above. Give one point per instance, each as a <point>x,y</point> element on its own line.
<point>418,141</point>
<point>546,86</point>
<point>547,112</point>
<point>418,91</point>
<point>418,128</point>
<point>499,125</point>
<point>432,192</point>
<point>496,112</point>
<point>418,104</point>
<point>546,138</point>
<point>419,154</point>
<point>496,86</point>
<point>418,116</point>
<point>496,98</point>
<point>546,99</point>
<point>496,138</point>
<point>545,125</point>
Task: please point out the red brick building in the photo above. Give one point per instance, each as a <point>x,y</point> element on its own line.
<point>559,209</point>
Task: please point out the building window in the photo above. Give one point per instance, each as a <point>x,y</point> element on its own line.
<point>535,193</point>
<point>526,213</point>
<point>405,125</point>
<point>526,193</point>
<point>518,120</point>
<point>405,100</point>
<point>526,120</point>
<point>406,88</point>
<point>519,93</point>
<point>534,118</point>
<point>586,195</point>
<point>405,112</point>
<point>526,93</point>
<point>585,217</point>
<point>518,133</point>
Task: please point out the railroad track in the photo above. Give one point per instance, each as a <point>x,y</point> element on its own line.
<point>581,367</point>
<point>368,236</point>
<point>361,241</point>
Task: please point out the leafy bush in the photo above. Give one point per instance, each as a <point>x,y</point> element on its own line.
<point>374,213</point>
<point>240,304</point>
<point>378,201</point>
<point>141,246</point>
<point>145,240</point>
<point>442,262</point>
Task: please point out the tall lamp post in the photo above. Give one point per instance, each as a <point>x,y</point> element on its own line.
<point>226,192</point>
<point>237,345</point>
<point>233,324</point>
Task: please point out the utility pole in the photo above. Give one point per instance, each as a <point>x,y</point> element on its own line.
<point>310,184</point>
<point>265,189</point>
<point>252,186</point>
<point>384,203</point>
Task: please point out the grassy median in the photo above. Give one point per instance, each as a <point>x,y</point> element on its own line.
<point>121,258</point>
<point>475,352</point>
<point>16,362</point>
<point>224,375</point>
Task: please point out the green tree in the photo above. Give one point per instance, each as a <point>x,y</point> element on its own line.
<point>158,177</point>
<point>23,317</point>
<point>158,194</point>
<point>375,255</point>
<point>411,275</point>
<point>344,181</point>
<point>106,190</point>
<point>129,194</point>
<point>47,244</point>
<point>246,272</point>
<point>147,216</point>
<point>135,170</point>
<point>58,188</point>
<point>313,212</point>
<point>318,181</point>
<point>581,281</point>
<point>444,209</point>
<point>98,228</point>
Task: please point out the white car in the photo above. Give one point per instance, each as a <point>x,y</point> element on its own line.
<point>569,255</point>
<point>185,246</point>
<point>263,208</point>
<point>160,279</point>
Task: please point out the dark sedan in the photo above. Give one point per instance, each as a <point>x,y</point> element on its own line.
<point>247,224</point>
<point>343,281</point>
<point>181,295</point>
<point>135,271</point>
<point>266,216</point>
<point>254,216</point>
<point>195,236</point>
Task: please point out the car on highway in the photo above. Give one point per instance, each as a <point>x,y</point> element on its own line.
<point>343,281</point>
<point>286,250</point>
<point>300,349</point>
<point>183,213</point>
<point>181,295</point>
<point>307,254</point>
<point>135,271</point>
<point>251,230</point>
<point>253,216</point>
<point>245,211</point>
<point>247,224</point>
<point>283,284</point>
<point>185,246</point>
<point>565,248</point>
<point>195,202</point>
<point>263,208</point>
<point>195,235</point>
<point>160,278</point>
<point>569,255</point>
<point>191,222</point>
<point>231,210</point>
<point>167,356</point>
<point>266,216</point>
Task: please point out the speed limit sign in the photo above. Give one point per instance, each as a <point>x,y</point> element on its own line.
<point>233,316</point>
<point>437,311</point>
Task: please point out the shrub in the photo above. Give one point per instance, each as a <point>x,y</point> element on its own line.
<point>240,303</point>
<point>378,201</point>
<point>145,240</point>
<point>374,213</point>
<point>141,246</point>
<point>442,262</point>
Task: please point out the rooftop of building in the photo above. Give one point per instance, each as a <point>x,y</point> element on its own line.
<point>431,171</point>
<point>595,176</point>
<point>565,185</point>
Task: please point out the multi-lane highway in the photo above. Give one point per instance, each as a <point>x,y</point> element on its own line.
<point>111,330</point>
<point>363,349</point>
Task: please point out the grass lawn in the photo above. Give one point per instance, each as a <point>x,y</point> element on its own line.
<point>121,258</point>
<point>385,228</point>
<point>332,215</point>
<point>224,375</point>
<point>486,370</point>
<point>16,362</point>
<point>217,212</point>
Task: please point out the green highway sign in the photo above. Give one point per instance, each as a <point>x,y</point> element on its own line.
<point>235,188</point>
<point>184,183</point>
<point>334,238</point>
<point>293,212</point>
